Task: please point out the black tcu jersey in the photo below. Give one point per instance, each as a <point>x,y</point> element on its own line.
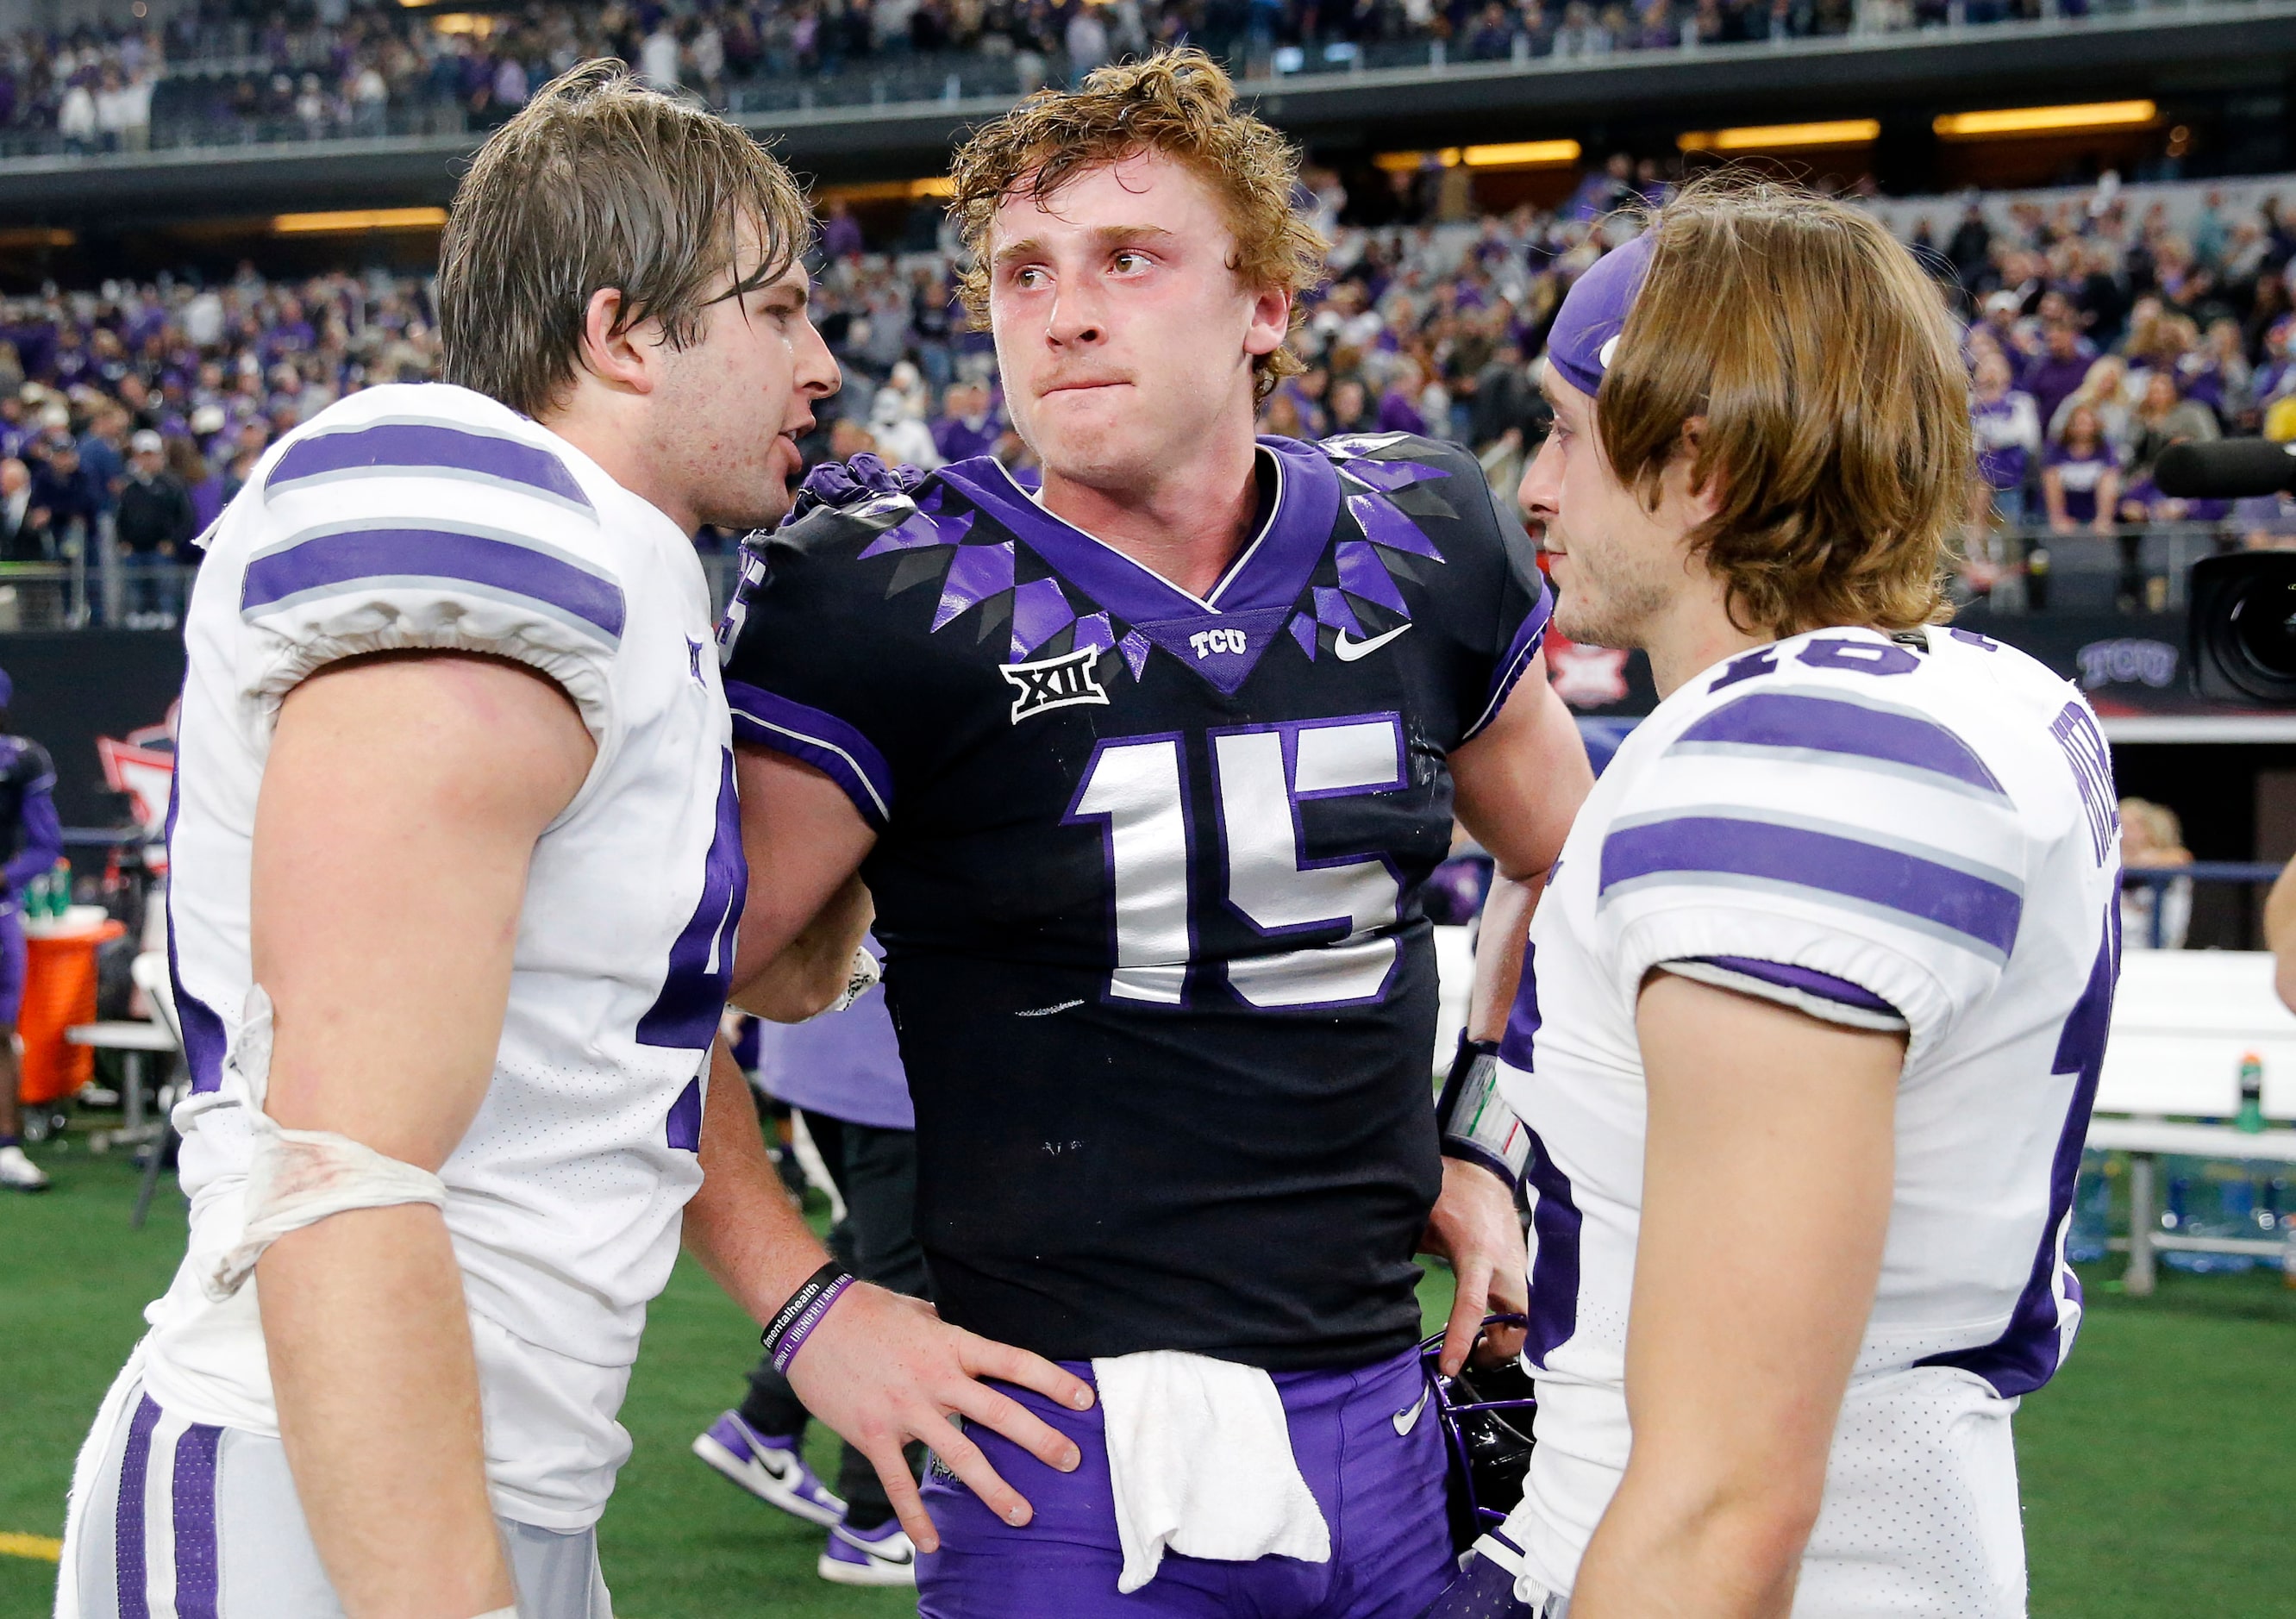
<point>1147,873</point>
<point>25,770</point>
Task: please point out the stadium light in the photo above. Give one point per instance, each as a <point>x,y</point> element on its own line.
<point>2045,120</point>
<point>1411,163</point>
<point>1780,138</point>
<point>1523,154</point>
<point>359,219</point>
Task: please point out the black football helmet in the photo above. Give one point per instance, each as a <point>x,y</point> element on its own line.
<point>1486,1413</point>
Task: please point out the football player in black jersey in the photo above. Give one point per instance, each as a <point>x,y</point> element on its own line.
<point>1145,772</point>
<point>31,842</point>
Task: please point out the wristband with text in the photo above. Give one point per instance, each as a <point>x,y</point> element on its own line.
<point>795,1320</point>
<point>1474,1120</point>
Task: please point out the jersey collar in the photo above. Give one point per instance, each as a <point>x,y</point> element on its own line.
<point>1251,599</point>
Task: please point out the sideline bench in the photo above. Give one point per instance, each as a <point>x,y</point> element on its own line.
<point>2182,1020</point>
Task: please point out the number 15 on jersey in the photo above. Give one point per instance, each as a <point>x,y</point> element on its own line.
<point>1136,787</point>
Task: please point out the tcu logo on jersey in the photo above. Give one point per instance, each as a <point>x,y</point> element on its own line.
<point>1055,682</point>
<point>1205,642</point>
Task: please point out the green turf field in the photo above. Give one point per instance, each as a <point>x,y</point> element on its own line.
<point>2159,1469</point>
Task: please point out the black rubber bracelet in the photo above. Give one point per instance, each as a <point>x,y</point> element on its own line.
<point>795,1320</point>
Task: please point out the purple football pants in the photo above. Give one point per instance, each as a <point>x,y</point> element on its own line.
<point>1369,1446</point>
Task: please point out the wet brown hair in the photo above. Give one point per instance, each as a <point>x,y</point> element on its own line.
<point>1827,374</point>
<point>1177,102</point>
<point>597,182</point>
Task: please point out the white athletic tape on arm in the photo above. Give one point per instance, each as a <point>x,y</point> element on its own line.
<point>861,977</point>
<point>296,1178</point>
<point>500,1613</point>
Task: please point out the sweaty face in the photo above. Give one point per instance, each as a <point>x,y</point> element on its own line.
<point>1121,332</point>
<point>1615,564</point>
<point>734,401</point>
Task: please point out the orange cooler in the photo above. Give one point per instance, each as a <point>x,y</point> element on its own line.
<point>59,991</point>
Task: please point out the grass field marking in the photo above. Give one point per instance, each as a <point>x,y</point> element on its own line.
<point>43,1548</point>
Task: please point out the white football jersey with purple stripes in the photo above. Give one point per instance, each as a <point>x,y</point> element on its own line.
<point>1914,833</point>
<point>430,517</point>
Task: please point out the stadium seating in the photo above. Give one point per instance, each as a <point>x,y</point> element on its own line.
<point>208,76</point>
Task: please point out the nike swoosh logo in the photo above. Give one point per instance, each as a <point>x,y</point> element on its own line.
<point>1405,1421</point>
<point>1349,650</point>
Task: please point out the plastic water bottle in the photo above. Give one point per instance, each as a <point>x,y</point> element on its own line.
<point>2251,1118</point>
<point>59,890</point>
<point>2086,1243</point>
<point>33,902</point>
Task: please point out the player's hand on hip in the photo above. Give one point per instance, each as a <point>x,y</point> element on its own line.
<point>1474,1227</point>
<point>882,1370</point>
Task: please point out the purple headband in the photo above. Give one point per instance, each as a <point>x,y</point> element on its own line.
<point>1587,326</point>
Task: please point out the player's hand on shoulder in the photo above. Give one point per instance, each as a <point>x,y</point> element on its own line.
<point>1473,1225</point>
<point>849,483</point>
<point>882,1370</point>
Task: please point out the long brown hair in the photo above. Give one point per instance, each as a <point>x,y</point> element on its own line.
<point>1836,409</point>
<point>600,181</point>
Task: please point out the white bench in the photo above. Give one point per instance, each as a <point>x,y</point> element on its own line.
<point>2182,1020</point>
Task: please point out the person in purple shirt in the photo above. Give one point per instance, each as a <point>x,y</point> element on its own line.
<point>843,1075</point>
<point>2007,426</point>
<point>2080,477</point>
<point>1399,406</point>
<point>967,427</point>
<point>2058,371</point>
<point>31,842</point>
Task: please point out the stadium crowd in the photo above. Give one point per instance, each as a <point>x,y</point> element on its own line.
<point>229,70</point>
<point>2097,336</point>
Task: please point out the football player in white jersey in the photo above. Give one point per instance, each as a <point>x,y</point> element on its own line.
<point>1810,1023</point>
<point>458,876</point>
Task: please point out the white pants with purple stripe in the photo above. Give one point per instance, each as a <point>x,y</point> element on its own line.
<point>181,1520</point>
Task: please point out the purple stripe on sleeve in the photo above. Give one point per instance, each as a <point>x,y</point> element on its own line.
<point>345,560</point>
<point>422,447</point>
<point>1529,637</point>
<point>1948,901</point>
<point>197,1566</point>
<point>1821,724</point>
<point>128,1513</point>
<point>1824,985</point>
<point>761,719</point>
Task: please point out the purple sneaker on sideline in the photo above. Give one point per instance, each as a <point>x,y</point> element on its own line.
<point>882,1555</point>
<point>771,1469</point>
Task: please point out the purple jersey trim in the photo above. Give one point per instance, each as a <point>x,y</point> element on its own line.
<point>1693,848</point>
<point>1554,1308</point>
<point>1823,985</point>
<point>1255,595</point>
<point>358,558</point>
<point>2029,1349</point>
<point>764,719</point>
<point>198,1564</point>
<point>1530,636</point>
<point>685,1014</point>
<point>1793,720</point>
<point>134,1600</point>
<point>417,447</point>
<point>684,1129</point>
<point>204,1039</point>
